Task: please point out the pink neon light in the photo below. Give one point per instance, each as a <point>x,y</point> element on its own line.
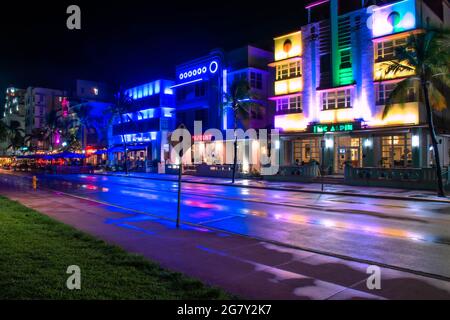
<point>317,3</point>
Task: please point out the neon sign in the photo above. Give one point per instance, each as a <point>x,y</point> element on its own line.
<point>205,68</point>
<point>339,127</point>
<point>202,137</point>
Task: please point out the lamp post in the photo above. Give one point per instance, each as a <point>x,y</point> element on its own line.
<point>180,173</point>
<point>322,145</point>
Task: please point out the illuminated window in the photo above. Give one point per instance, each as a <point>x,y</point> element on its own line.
<point>282,104</point>
<point>282,71</point>
<point>339,99</point>
<point>295,103</point>
<point>384,90</point>
<point>396,151</point>
<point>289,70</point>
<point>346,59</point>
<point>291,103</point>
<point>306,150</point>
<point>386,50</point>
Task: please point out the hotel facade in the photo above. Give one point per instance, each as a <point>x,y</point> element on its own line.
<point>202,88</point>
<point>331,88</point>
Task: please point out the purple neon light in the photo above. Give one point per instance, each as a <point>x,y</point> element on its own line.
<point>317,3</point>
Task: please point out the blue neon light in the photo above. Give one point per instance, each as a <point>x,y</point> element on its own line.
<point>185,83</point>
<point>149,89</point>
<point>211,67</point>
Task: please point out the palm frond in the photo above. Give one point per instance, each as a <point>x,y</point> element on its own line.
<point>398,95</point>
<point>439,94</point>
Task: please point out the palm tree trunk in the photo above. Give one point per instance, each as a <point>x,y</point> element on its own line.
<point>434,142</point>
<point>235,148</point>
<point>125,154</point>
<point>125,151</point>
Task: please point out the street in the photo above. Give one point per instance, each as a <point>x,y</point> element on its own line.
<point>404,234</point>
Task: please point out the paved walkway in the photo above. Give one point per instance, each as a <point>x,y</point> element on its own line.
<point>243,266</point>
<point>374,192</point>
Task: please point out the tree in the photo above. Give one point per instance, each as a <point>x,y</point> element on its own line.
<point>51,123</point>
<point>15,135</point>
<point>426,55</point>
<point>3,132</point>
<point>84,116</point>
<point>240,100</point>
<point>122,105</point>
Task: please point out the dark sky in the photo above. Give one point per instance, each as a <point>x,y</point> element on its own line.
<point>128,41</point>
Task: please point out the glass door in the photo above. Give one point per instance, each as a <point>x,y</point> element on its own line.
<point>348,151</point>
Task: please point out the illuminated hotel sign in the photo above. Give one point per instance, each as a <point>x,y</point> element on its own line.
<point>338,127</point>
<point>202,137</point>
<point>197,71</point>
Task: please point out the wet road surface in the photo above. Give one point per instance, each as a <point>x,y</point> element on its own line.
<point>406,234</point>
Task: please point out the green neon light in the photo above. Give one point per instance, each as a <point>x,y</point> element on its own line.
<point>323,128</point>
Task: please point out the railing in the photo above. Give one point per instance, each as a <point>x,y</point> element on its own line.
<point>408,178</point>
<point>301,173</point>
<point>217,170</point>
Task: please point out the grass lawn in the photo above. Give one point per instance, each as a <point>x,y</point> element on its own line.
<point>36,250</point>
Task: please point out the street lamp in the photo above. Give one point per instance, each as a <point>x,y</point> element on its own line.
<point>322,145</point>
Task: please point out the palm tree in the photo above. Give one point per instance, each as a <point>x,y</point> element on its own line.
<point>240,100</point>
<point>122,105</point>
<point>51,123</point>
<point>3,132</point>
<point>15,135</point>
<point>84,117</point>
<point>427,56</point>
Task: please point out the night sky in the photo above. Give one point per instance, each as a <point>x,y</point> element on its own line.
<point>129,42</point>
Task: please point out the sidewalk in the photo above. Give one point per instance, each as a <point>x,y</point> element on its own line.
<point>334,189</point>
<point>243,266</point>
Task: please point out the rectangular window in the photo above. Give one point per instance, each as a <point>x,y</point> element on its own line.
<point>295,103</point>
<point>384,90</point>
<point>306,150</point>
<point>295,69</point>
<point>289,70</point>
<point>256,80</point>
<point>339,99</point>
<point>396,151</point>
<point>387,50</point>
<point>346,59</point>
<point>282,71</point>
<point>282,104</point>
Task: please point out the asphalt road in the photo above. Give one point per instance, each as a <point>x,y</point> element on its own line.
<point>406,234</point>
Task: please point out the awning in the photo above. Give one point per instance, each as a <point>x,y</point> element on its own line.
<point>68,155</point>
<point>130,148</point>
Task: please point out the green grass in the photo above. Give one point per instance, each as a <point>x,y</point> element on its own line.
<point>36,250</point>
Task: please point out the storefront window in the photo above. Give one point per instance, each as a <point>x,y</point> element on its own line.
<point>396,151</point>
<point>306,150</point>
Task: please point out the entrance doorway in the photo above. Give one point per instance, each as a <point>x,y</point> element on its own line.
<point>348,150</point>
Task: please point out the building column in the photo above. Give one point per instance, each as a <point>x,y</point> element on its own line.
<point>418,144</point>
<point>368,152</point>
<point>328,156</point>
